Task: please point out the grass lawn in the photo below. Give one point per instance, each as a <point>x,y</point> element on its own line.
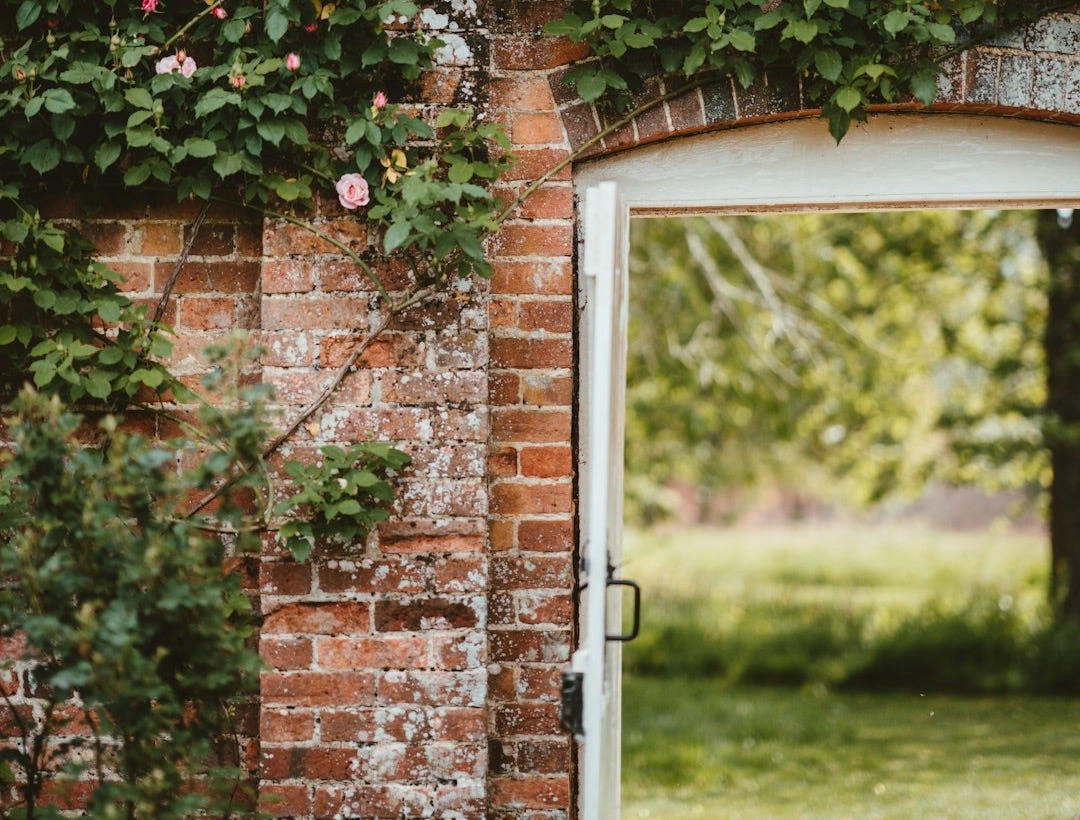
<point>697,745</point>
<point>692,748</point>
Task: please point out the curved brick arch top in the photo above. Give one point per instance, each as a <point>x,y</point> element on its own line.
<point>1033,74</point>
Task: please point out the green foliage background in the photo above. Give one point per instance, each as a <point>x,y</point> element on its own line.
<point>881,351</point>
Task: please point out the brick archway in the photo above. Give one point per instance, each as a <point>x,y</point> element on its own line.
<point>1032,75</point>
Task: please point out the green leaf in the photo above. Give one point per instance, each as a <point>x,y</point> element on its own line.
<point>27,13</point>
<point>396,236</point>
<point>350,506</point>
<point>848,98</point>
<point>43,155</point>
<point>590,86</point>
<point>81,73</point>
<point>139,97</point>
<point>8,334</point>
<point>106,155</point>
<point>896,20</point>
<point>924,86</point>
<point>227,164</point>
<point>941,32</point>
<point>460,172</point>
<point>839,122</point>
<point>802,30</point>
<point>271,130</point>
<point>109,311</point>
<point>137,174</point>
<point>829,64</point>
<point>58,100</point>
<point>15,231</point>
<point>200,148</point>
<point>696,24</point>
<point>276,24</point>
<point>742,40</point>
<point>837,4</point>
<point>97,386</point>
<point>110,355</point>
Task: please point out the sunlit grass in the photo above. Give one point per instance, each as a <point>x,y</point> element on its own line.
<point>693,748</point>
<point>816,607</point>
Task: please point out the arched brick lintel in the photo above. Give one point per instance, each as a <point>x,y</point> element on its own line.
<point>1034,74</point>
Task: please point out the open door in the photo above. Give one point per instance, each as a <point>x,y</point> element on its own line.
<point>592,688</point>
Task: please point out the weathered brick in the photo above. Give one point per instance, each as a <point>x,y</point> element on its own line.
<point>546,535</point>
<point>318,688</point>
<point>382,652</point>
<point>286,726</point>
<point>527,719</point>
<point>547,462</point>
<point>554,609</point>
<point>426,613</point>
<point>310,618</point>
<point>541,276</point>
<point>314,763</point>
<point>532,53</point>
<point>371,576</point>
<point>534,572</point>
<point>211,240</point>
<point>285,800</point>
<point>344,312</point>
<point>528,353</point>
<point>286,653</point>
<point>530,646</point>
<point>526,239</point>
<point>547,389</point>
<point>158,239</point>
<point>433,688</point>
<point>284,578</point>
<point>522,94</point>
<point>530,792</point>
<point>226,276</point>
<point>509,498</point>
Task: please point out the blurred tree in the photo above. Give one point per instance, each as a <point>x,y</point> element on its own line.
<point>1059,240</point>
<point>879,351</point>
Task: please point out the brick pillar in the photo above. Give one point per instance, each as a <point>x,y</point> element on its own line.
<point>530,463</point>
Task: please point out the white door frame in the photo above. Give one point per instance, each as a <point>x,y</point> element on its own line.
<point>904,161</point>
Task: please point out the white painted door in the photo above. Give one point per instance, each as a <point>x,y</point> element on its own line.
<point>605,227</point>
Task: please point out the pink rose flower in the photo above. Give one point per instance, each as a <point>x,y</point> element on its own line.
<point>167,65</point>
<point>187,66</point>
<point>149,6</point>
<point>292,61</point>
<point>238,81</point>
<point>380,100</point>
<point>219,13</point>
<point>352,191</point>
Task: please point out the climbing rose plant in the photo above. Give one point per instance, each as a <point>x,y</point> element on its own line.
<point>849,54</point>
<point>121,594</point>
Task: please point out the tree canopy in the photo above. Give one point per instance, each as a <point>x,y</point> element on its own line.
<point>883,350</point>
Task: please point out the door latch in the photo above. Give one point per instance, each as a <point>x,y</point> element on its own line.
<point>572,707</point>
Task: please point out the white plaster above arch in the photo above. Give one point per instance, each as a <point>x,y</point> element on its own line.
<point>892,161</point>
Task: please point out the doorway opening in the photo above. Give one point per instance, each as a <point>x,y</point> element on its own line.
<point>895,163</point>
<point>834,469</point>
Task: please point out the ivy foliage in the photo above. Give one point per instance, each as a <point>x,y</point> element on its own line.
<point>272,102</point>
<point>55,304</point>
<point>849,53</point>
<point>137,633</point>
<point>345,493</point>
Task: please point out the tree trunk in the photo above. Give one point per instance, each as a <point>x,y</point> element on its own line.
<point>1059,240</point>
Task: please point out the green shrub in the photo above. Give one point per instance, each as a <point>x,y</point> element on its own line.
<point>132,624</point>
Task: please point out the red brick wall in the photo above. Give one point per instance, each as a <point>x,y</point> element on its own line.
<point>417,674</point>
